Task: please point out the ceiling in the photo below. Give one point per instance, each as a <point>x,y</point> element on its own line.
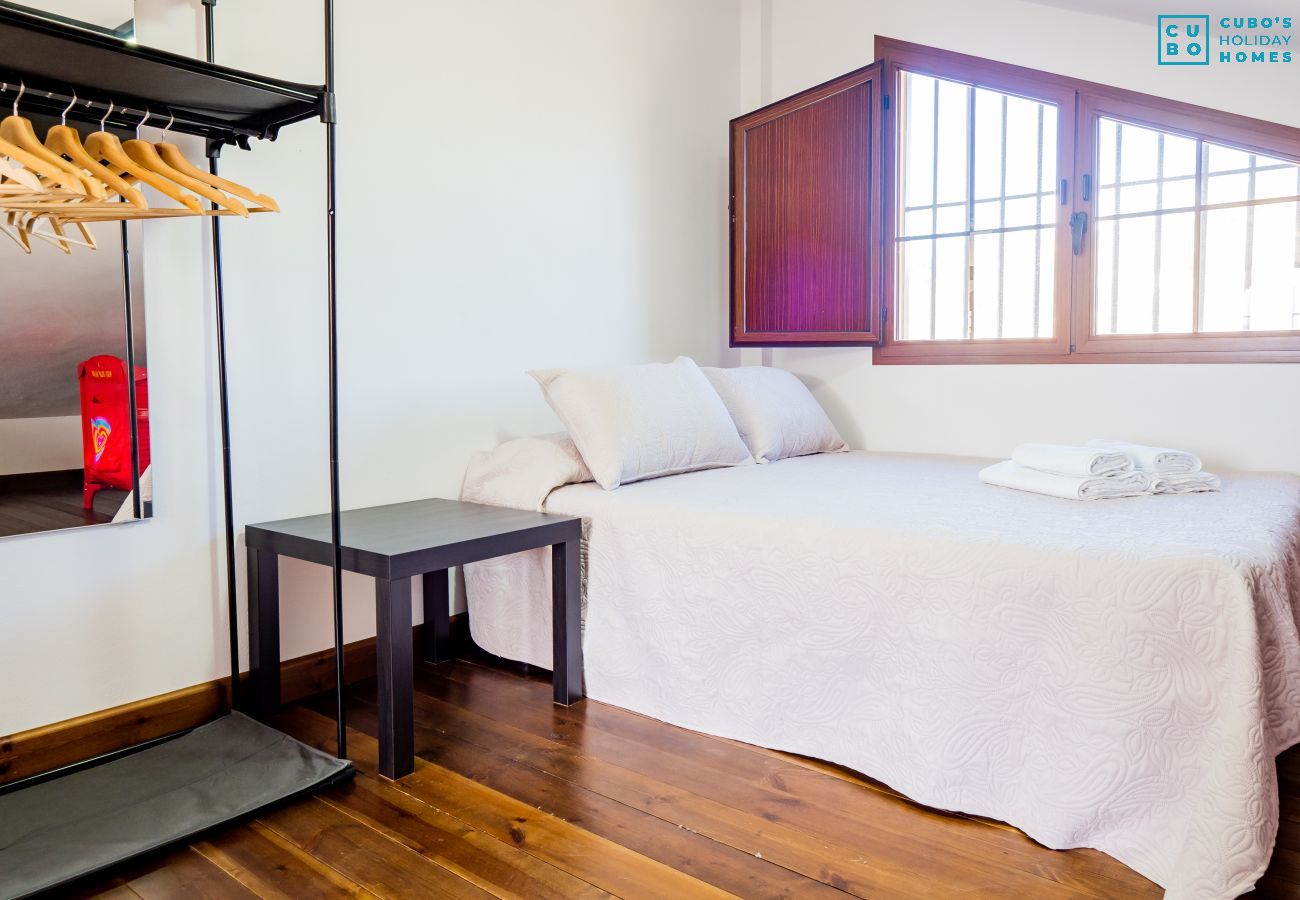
<point>1145,11</point>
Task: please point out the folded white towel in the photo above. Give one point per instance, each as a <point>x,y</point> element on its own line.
<point>1011,474</point>
<point>1061,459</point>
<point>1186,483</point>
<point>1161,460</point>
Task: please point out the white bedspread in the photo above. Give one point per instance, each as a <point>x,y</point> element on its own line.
<point>1111,675</point>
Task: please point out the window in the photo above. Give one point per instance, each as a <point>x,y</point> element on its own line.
<point>1193,236</point>
<point>953,209</point>
<point>977,186</point>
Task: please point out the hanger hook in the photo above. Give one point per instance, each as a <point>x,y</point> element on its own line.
<point>142,121</point>
<point>103,123</point>
<point>171,120</point>
<point>70,105</point>
<point>22,89</point>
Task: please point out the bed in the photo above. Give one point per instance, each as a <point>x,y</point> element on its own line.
<point>1117,675</point>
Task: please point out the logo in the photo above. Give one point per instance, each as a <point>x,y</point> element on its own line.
<point>99,432</point>
<point>1184,40</point>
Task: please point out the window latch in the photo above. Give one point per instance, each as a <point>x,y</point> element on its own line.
<point>1087,187</point>
<point>1065,191</point>
<point>1078,228</point>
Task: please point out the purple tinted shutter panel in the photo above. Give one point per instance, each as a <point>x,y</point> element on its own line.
<point>806,194</point>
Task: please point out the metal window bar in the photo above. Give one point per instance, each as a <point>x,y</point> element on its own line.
<point>964,200</point>
<point>1295,293</point>
<point>1170,179</point>
<point>1038,233</point>
<point>1010,229</point>
<point>1114,273</point>
<point>968,246</point>
<point>1002,219</point>
<point>903,283</point>
<point>1248,252</point>
<point>934,214</point>
<point>1159,223</point>
<point>1205,207</point>
<point>1198,249</point>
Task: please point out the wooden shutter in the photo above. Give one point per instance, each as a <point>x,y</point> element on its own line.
<point>805,216</point>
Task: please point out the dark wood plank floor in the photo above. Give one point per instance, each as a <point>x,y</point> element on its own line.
<point>514,797</point>
<point>51,506</point>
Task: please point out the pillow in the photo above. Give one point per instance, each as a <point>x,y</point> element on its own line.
<point>774,412</point>
<point>526,469</point>
<point>635,422</point>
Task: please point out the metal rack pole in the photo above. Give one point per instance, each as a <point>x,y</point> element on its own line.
<point>328,115</point>
<point>132,399</point>
<point>218,285</point>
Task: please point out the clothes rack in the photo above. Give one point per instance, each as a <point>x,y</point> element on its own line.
<point>118,81</point>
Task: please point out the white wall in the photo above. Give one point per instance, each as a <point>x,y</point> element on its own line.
<point>1237,416</point>
<point>44,444</point>
<point>521,185</point>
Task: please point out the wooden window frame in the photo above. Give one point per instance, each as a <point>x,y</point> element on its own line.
<point>1079,104</point>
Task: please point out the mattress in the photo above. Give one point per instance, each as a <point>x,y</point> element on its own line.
<point>1113,674</point>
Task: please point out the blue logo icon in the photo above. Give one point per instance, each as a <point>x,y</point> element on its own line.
<point>1184,40</point>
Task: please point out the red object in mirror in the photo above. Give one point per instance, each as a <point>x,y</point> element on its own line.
<point>106,424</point>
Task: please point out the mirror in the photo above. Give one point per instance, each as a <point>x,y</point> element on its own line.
<point>115,17</point>
<point>67,457</point>
<point>74,426</point>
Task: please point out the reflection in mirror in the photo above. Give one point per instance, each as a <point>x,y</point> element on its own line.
<point>67,457</point>
<point>116,17</point>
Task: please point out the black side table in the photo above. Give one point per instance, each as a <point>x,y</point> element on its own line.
<point>393,544</point>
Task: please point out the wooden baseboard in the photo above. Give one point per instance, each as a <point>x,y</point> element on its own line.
<point>49,747</point>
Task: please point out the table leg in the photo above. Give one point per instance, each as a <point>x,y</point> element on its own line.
<point>396,675</point>
<point>437,617</point>
<point>566,622</point>
<point>263,632</point>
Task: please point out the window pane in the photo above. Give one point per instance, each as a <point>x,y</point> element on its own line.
<point>1143,170</point>
<point>933,289</point>
<point>1144,274</point>
<point>1145,237</point>
<point>986,184</point>
<point>1251,243</point>
<point>1009,288</point>
<point>1144,256</point>
<point>1252,268</point>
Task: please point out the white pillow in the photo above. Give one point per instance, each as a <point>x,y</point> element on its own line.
<point>635,422</point>
<point>527,467</point>
<point>774,412</point>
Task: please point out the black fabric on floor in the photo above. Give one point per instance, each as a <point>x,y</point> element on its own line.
<point>58,830</point>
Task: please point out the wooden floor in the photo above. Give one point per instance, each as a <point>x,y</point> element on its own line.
<point>514,797</point>
<point>55,506</point>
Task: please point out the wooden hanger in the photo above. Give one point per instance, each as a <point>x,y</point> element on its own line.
<point>108,149</point>
<point>12,233</point>
<point>38,166</point>
<point>147,156</point>
<point>66,141</point>
<point>59,237</point>
<point>177,160</point>
<point>19,132</point>
<point>18,175</point>
<point>18,236</point>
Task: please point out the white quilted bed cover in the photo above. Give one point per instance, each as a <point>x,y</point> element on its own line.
<point>1115,674</point>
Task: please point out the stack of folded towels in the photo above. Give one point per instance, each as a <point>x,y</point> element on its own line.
<point>1101,470</point>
